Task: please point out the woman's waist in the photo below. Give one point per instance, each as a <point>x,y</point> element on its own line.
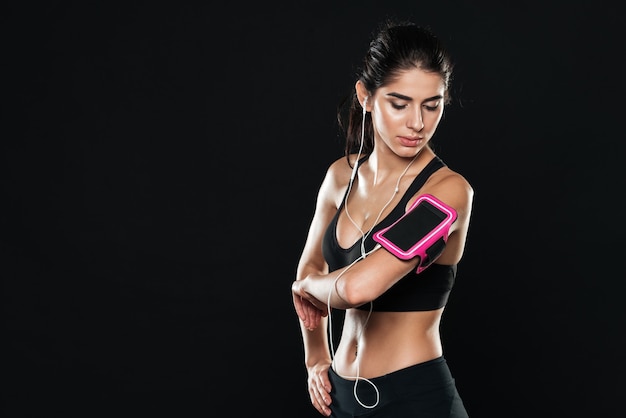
<point>389,330</point>
<point>430,371</point>
<point>372,357</point>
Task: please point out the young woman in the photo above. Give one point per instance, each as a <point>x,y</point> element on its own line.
<point>389,360</point>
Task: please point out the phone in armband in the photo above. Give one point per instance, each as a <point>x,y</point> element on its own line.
<point>422,231</point>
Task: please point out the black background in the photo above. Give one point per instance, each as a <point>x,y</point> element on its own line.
<point>160,163</point>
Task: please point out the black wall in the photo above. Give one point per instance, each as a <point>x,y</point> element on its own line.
<point>159,170</point>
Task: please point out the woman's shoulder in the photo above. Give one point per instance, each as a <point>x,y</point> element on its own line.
<point>451,178</point>
<point>339,171</point>
<point>451,186</point>
<point>336,179</point>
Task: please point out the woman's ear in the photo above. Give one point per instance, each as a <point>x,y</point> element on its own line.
<point>362,95</point>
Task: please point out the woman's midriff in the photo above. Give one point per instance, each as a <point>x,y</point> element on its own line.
<point>389,341</point>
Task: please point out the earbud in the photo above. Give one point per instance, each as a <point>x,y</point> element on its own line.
<point>365,104</point>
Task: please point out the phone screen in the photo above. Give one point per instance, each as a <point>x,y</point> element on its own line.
<point>415,225</point>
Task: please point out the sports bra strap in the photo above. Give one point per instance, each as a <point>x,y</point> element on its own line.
<point>433,165</point>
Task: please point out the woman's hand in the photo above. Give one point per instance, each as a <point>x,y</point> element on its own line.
<point>309,310</point>
<point>319,387</point>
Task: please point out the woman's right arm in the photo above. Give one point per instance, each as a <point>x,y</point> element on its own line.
<point>313,321</point>
<point>314,318</point>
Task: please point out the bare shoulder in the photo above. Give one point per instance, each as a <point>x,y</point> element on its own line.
<point>452,188</point>
<point>339,168</point>
<point>336,179</point>
<point>451,181</point>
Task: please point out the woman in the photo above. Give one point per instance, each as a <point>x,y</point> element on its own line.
<point>389,360</point>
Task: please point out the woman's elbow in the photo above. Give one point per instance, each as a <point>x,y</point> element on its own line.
<point>353,292</point>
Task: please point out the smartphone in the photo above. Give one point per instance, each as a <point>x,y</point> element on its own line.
<point>422,231</point>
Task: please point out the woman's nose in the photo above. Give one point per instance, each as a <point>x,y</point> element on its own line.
<point>416,121</point>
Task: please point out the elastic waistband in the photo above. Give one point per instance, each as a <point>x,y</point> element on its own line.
<point>419,378</point>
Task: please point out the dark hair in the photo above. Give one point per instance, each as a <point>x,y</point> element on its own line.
<point>396,47</point>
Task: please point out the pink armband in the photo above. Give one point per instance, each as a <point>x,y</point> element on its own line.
<point>422,231</point>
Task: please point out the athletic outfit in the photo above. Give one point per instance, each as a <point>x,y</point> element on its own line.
<point>422,390</point>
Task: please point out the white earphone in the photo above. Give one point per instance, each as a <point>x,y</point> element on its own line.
<point>365,104</point>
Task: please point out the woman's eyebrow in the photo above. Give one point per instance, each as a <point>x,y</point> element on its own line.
<point>409,99</point>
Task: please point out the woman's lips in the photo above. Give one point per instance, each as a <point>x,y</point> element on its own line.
<point>410,141</point>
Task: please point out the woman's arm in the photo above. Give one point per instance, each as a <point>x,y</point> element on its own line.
<point>370,277</point>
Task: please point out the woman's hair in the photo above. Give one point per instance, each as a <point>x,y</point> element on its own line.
<point>397,46</point>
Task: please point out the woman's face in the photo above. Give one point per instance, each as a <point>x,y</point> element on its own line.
<point>405,113</point>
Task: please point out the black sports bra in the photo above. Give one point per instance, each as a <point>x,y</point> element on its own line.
<point>424,292</point>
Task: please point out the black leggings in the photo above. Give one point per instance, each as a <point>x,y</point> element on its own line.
<point>425,390</point>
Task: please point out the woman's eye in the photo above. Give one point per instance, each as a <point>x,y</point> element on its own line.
<point>398,106</point>
<point>432,108</point>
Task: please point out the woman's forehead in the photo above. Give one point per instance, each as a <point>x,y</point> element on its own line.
<point>415,83</point>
